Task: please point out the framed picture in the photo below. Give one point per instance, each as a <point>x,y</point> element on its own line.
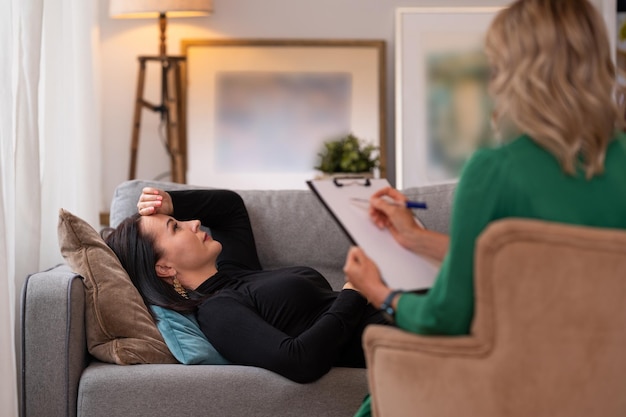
<point>259,111</point>
<point>443,111</point>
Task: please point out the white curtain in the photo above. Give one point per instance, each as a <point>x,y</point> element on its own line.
<point>49,147</point>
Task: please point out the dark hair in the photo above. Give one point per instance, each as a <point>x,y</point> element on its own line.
<point>138,254</point>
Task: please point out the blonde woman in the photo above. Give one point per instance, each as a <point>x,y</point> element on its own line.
<point>562,159</point>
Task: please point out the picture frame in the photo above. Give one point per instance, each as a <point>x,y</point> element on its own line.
<point>443,111</point>
<point>259,110</point>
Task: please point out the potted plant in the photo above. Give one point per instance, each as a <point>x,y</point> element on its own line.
<point>348,156</point>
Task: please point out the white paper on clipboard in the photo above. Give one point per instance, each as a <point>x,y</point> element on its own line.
<point>399,267</point>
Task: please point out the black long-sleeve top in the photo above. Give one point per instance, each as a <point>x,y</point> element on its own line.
<point>289,320</point>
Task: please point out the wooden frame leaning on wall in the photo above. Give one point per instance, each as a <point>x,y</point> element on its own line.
<point>350,74</point>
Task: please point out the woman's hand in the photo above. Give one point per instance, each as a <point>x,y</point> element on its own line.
<point>154,200</point>
<point>388,211</point>
<point>364,276</point>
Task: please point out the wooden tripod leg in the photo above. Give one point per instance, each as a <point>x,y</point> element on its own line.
<point>174,127</point>
<point>134,141</point>
<point>182,118</point>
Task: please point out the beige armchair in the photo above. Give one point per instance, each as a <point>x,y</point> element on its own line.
<point>548,338</point>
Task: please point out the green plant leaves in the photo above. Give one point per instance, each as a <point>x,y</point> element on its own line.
<point>347,154</point>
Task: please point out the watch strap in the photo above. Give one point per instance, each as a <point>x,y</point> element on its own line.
<point>387,305</point>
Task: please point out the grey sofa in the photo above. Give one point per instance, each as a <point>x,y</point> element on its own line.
<point>61,379</point>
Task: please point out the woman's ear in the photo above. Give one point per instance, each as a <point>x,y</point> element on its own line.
<point>164,271</point>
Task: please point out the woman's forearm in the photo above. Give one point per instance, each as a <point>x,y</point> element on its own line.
<point>431,244</point>
<point>224,212</point>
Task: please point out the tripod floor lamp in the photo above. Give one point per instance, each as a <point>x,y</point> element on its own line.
<point>171,108</point>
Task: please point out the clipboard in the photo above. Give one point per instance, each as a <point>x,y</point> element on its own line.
<point>400,268</point>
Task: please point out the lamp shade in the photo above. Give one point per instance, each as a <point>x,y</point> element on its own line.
<point>153,8</point>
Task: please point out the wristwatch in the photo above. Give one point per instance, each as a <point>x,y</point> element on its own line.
<point>387,306</point>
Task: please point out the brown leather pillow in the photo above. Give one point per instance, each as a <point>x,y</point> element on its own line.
<point>118,325</point>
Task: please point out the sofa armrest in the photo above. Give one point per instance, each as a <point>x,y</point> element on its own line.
<point>54,349</point>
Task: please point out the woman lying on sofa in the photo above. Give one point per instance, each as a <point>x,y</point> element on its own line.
<point>289,321</point>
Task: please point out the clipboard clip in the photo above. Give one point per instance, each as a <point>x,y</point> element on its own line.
<point>343,181</point>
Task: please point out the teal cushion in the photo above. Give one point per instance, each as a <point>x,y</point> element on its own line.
<point>184,338</point>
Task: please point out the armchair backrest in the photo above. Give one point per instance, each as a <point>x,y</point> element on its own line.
<point>551,303</point>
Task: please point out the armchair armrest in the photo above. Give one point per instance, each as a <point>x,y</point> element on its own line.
<point>54,349</point>
<point>391,338</point>
<point>411,375</point>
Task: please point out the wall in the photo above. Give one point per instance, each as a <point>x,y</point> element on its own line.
<point>122,40</point>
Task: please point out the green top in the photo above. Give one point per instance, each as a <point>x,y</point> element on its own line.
<point>519,179</point>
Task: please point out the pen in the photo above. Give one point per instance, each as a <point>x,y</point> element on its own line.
<point>408,204</point>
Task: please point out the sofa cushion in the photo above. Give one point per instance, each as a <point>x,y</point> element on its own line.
<point>184,338</point>
<point>225,391</point>
<point>119,326</point>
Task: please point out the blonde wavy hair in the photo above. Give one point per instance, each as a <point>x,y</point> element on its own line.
<point>553,79</point>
